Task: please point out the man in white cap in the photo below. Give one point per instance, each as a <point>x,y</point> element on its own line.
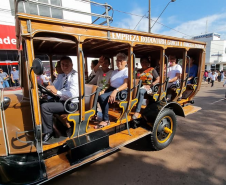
<point>15,77</point>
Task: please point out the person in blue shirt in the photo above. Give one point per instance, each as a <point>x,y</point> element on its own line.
<point>1,83</point>
<point>193,70</point>
<point>4,77</point>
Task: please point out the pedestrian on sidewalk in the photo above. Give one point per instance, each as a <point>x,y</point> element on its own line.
<point>209,73</point>
<point>213,77</point>
<point>222,75</point>
<point>225,91</point>
<point>15,76</point>
<point>205,75</point>
<point>4,77</point>
<point>219,76</point>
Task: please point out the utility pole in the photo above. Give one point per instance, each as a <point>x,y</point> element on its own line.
<point>149,17</point>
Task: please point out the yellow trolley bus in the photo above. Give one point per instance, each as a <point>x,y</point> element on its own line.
<point>24,159</point>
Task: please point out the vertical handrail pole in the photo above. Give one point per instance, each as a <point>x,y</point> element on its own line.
<point>167,79</point>
<point>112,63</point>
<point>186,82</point>
<point>106,10</point>
<point>134,72</point>
<point>81,81</point>
<point>167,60</point>
<point>51,66</point>
<point>86,68</point>
<point>183,78</point>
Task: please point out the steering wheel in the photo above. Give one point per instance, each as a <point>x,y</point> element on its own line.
<point>46,91</point>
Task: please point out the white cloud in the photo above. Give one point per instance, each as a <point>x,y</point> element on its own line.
<point>216,23</point>
<point>197,27</point>
<point>132,21</point>
<point>172,20</point>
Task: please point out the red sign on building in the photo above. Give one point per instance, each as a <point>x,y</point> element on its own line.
<point>7,37</point>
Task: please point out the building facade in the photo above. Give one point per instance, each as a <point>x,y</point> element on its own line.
<point>215,51</point>
<point>8,50</point>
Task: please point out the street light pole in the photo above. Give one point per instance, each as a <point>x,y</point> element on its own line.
<point>162,12</point>
<point>149,17</point>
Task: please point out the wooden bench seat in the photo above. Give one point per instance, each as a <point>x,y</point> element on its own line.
<point>89,102</point>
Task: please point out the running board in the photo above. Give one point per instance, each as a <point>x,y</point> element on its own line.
<point>86,145</point>
<point>190,109</point>
<point>60,164</point>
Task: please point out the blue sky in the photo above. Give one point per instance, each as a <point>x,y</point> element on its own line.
<point>186,16</point>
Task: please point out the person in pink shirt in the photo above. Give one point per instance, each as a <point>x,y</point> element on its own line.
<point>205,75</point>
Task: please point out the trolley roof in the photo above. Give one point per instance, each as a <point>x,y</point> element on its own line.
<point>60,36</point>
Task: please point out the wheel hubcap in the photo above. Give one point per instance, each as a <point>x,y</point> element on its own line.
<point>164,129</point>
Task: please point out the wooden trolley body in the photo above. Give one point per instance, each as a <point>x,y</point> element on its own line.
<point>21,126</point>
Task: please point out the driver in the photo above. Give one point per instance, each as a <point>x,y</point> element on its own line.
<point>69,88</point>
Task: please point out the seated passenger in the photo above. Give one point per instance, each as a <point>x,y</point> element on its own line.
<point>157,67</point>
<point>103,73</point>
<point>149,78</point>
<point>174,71</point>
<point>118,82</point>
<point>54,74</point>
<point>69,88</point>
<point>193,70</point>
<point>60,74</point>
<point>91,76</point>
<point>45,79</point>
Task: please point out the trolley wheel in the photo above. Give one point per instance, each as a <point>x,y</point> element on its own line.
<point>164,129</point>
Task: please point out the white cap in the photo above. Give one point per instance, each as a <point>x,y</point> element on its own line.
<point>14,67</point>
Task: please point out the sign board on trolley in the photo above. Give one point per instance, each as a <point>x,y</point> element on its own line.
<point>7,37</point>
<point>153,40</point>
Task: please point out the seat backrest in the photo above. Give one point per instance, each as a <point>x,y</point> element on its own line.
<point>89,89</point>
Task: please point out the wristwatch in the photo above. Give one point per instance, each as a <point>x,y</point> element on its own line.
<point>117,89</point>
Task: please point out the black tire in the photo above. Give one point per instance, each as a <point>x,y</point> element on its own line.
<point>160,139</point>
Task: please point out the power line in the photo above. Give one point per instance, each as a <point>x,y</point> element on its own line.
<point>152,20</point>
<point>139,21</point>
<point>133,14</point>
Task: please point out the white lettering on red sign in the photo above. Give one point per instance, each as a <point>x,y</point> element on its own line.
<point>7,40</point>
<point>7,37</point>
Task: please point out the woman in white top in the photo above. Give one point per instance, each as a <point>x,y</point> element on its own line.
<point>118,82</point>
<point>213,77</point>
<point>103,73</point>
<point>174,71</point>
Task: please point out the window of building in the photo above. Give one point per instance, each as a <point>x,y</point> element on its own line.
<point>8,60</point>
<point>12,8</point>
<point>224,67</point>
<point>213,67</point>
<point>6,55</point>
<point>218,67</point>
<point>44,10</point>
<point>26,7</point>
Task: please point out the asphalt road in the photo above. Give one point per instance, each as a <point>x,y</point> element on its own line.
<point>197,154</point>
